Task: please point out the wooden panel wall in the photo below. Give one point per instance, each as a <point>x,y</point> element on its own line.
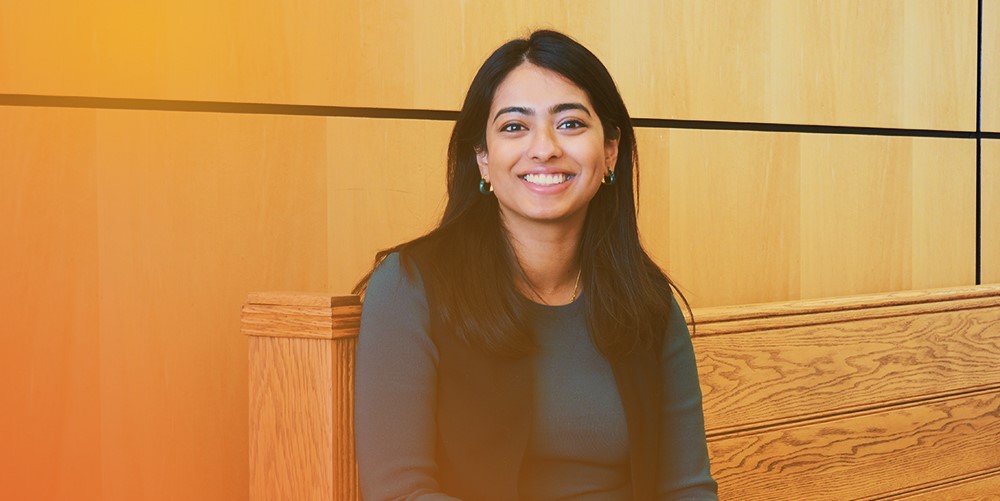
<point>138,233</point>
<point>890,63</point>
<point>735,217</point>
<point>991,212</point>
<point>130,236</point>
<point>991,65</point>
<point>195,210</point>
<point>743,217</point>
<point>386,185</point>
<point>49,361</point>
<point>991,147</point>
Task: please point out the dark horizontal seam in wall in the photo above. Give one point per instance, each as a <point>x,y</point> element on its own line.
<point>117,103</point>
<point>114,103</point>
<point>799,128</point>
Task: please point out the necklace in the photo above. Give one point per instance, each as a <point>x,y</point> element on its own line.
<point>576,287</point>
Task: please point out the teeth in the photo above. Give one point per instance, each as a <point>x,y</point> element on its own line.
<point>546,179</point>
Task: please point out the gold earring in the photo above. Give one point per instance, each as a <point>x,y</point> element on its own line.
<point>609,178</point>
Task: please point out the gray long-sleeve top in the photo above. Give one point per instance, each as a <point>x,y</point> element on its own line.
<point>578,444</point>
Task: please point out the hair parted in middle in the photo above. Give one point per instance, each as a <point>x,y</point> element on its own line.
<point>467,264</point>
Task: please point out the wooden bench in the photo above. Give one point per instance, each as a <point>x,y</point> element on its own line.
<point>892,396</point>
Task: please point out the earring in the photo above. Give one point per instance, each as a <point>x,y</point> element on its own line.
<point>485,187</point>
<point>609,178</point>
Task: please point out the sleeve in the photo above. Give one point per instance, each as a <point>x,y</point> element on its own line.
<point>395,391</point>
<point>684,466</point>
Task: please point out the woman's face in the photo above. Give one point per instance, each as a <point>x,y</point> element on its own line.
<point>545,150</point>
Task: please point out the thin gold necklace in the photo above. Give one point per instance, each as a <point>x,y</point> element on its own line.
<point>576,287</point>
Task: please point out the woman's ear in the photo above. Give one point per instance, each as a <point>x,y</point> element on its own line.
<point>483,160</point>
<point>611,149</point>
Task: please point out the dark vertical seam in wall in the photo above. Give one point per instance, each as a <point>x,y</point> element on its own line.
<point>979,144</point>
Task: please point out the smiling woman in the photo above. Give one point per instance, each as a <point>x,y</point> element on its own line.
<point>546,152</point>
<point>528,347</point>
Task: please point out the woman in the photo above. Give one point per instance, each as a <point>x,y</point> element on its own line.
<point>528,347</point>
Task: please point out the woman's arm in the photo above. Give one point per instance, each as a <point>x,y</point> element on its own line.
<point>684,469</point>
<point>395,390</point>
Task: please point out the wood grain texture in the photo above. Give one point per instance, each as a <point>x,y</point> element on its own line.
<point>300,321</point>
<point>302,408</point>
<point>195,210</point>
<point>862,455</point>
<point>990,228</point>
<point>856,218</point>
<point>777,375</point>
<point>875,389</point>
<point>991,66</point>
<point>345,466</point>
<point>735,217</point>
<point>943,214</point>
<point>752,317</point>
<point>50,407</point>
<point>799,396</point>
<point>983,487</point>
<point>892,63</point>
<point>291,419</point>
<point>385,185</point>
<point>748,217</point>
<point>301,299</point>
<point>720,211</point>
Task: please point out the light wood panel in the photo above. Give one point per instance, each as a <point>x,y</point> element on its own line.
<point>745,217</point>
<point>195,211</point>
<point>881,452</point>
<point>50,418</point>
<point>47,48</point>
<point>878,431</point>
<point>892,63</point>
<point>856,215</point>
<point>291,408</point>
<point>855,397</point>
<point>991,65</point>
<point>736,217</point>
<point>866,226</point>
<point>720,211</point>
<point>875,62</point>
<point>301,396</point>
<point>263,51</point>
<point>943,221</point>
<point>386,185</point>
<point>982,487</point>
<point>812,363</point>
<point>990,272</point>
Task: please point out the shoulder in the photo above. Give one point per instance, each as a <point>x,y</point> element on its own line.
<point>677,336</point>
<point>395,289</point>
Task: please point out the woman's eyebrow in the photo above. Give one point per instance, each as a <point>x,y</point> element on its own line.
<point>514,109</point>
<point>558,108</point>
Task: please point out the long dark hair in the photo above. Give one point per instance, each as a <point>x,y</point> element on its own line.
<point>467,265</point>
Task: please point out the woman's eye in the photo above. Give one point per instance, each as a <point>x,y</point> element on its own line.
<point>572,124</point>
<point>512,127</point>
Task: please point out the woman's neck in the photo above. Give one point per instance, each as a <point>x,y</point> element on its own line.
<point>549,256</point>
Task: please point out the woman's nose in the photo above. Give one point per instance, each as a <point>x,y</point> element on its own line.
<point>544,145</point>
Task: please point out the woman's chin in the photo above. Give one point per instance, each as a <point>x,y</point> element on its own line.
<point>547,215</point>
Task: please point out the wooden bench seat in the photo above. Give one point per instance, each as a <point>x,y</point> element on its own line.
<point>891,396</point>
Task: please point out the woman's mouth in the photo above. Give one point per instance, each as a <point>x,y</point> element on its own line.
<point>547,179</point>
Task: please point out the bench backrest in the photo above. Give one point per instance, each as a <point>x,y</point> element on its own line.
<point>893,395</point>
